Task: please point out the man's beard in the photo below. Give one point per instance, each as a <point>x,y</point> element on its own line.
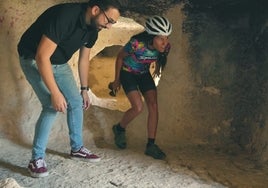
<point>95,24</point>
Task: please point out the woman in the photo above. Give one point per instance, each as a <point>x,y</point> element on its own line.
<point>132,71</point>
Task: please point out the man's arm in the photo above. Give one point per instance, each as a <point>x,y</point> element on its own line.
<point>83,65</point>
<point>83,70</point>
<point>45,50</point>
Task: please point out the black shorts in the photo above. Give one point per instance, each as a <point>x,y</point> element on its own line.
<point>130,82</point>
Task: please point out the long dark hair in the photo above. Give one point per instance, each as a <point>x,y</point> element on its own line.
<point>162,57</point>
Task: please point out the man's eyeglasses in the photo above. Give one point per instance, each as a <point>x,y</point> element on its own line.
<point>110,20</point>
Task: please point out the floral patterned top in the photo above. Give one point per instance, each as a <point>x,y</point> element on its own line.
<point>140,57</point>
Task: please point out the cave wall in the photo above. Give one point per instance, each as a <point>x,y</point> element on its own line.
<point>195,106</point>
<point>228,44</point>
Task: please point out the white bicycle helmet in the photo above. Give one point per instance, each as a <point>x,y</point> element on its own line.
<point>158,25</point>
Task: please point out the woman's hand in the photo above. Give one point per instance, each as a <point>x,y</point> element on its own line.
<point>116,85</point>
<point>86,101</point>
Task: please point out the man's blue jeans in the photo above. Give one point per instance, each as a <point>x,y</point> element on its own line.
<point>67,85</point>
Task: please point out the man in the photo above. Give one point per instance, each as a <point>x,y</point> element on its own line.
<point>44,51</point>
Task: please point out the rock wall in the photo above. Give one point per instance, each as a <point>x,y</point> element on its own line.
<point>228,43</point>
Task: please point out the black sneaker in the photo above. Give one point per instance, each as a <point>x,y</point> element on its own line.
<point>154,151</point>
<point>119,138</point>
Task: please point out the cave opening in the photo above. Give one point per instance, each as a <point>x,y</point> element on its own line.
<point>101,73</point>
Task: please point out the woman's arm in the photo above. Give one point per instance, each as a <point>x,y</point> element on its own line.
<point>118,64</point>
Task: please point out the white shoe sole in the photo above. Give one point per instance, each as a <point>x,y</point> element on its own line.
<point>86,160</point>
<point>38,175</point>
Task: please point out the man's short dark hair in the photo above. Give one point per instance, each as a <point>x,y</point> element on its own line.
<point>104,4</point>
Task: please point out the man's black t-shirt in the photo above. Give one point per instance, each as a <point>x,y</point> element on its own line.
<point>65,25</point>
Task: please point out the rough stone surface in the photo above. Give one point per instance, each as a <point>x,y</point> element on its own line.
<point>9,183</point>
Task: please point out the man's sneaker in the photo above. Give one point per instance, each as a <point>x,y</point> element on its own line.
<point>38,168</point>
<point>83,154</point>
<point>154,151</point>
<point>119,138</point>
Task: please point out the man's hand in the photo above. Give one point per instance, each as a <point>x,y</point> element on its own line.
<point>58,102</point>
<point>86,101</point>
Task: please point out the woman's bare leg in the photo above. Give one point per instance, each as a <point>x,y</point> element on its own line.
<point>119,129</point>
<point>152,121</point>
<point>135,100</point>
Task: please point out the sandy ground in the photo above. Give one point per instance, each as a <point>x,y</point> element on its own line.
<point>128,168</point>
<point>185,166</point>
